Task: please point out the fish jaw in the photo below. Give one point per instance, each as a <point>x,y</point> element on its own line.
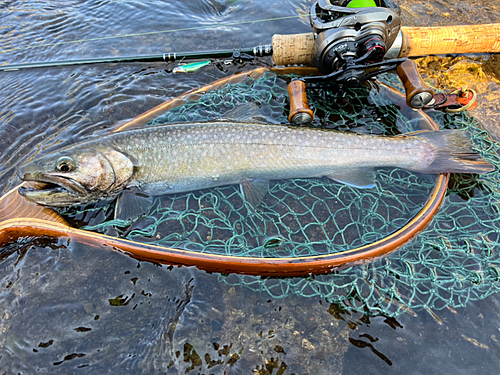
<point>92,177</point>
<point>49,194</point>
<point>50,189</point>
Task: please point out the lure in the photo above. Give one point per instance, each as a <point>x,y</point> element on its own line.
<point>192,67</point>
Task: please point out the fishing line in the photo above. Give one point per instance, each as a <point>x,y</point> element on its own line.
<point>151,33</point>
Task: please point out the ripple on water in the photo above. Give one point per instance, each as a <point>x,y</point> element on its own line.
<point>47,329</point>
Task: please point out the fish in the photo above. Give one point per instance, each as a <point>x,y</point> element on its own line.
<point>176,158</point>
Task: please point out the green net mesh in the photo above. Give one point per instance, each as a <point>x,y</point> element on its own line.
<point>452,262</point>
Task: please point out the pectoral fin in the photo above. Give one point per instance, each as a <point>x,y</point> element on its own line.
<point>361,178</point>
<point>132,204</point>
<point>254,190</point>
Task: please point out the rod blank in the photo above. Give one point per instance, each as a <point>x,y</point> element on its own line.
<point>259,51</point>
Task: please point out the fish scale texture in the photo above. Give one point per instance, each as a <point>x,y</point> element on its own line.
<point>179,158</point>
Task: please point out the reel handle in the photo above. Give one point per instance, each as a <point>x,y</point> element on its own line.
<point>418,94</point>
<point>416,41</point>
<point>300,112</point>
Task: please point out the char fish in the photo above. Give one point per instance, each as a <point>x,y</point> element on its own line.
<point>177,158</point>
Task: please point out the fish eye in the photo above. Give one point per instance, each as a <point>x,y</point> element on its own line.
<point>65,164</point>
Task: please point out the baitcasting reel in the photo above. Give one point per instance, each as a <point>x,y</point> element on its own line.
<point>348,36</point>
<point>351,45</point>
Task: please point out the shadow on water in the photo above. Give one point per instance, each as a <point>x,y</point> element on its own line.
<point>65,308</point>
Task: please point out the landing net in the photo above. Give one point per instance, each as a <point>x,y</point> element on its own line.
<point>455,260</point>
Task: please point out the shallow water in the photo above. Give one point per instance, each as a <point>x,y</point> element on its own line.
<point>66,308</point>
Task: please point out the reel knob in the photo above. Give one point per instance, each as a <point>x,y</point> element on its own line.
<point>300,112</point>
<point>418,94</point>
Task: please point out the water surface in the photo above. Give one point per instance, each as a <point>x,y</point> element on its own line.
<point>66,308</point>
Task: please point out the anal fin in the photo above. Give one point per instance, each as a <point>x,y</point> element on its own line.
<point>361,178</point>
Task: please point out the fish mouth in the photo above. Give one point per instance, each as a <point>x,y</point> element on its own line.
<point>51,190</point>
<point>52,182</point>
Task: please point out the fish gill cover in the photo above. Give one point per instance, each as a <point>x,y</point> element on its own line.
<point>453,261</point>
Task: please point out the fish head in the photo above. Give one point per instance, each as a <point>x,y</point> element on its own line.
<point>76,176</point>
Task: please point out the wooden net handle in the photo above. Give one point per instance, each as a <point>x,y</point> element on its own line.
<point>417,41</point>
<point>422,41</point>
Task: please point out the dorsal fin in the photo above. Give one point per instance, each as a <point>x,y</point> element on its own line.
<point>248,112</point>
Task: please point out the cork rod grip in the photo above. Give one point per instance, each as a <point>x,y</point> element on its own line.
<point>293,49</point>
<point>417,41</point>
<point>421,41</point>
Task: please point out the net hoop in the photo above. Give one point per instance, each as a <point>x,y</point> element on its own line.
<point>20,218</point>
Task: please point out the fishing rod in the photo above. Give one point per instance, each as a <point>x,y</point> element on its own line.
<point>326,18</point>
<point>352,41</point>
<point>237,54</point>
<point>298,48</point>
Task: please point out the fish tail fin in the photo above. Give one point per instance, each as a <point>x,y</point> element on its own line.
<point>454,153</point>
